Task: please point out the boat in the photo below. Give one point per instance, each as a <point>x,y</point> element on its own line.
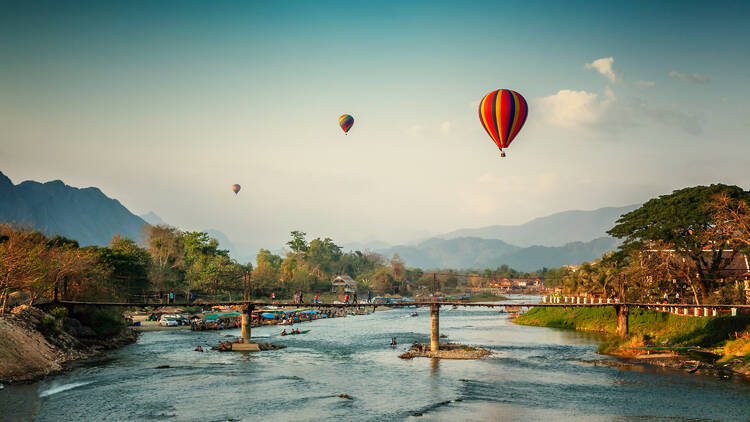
<point>294,333</point>
<point>413,314</point>
<point>454,307</point>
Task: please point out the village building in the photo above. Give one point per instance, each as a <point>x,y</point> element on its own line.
<point>343,282</point>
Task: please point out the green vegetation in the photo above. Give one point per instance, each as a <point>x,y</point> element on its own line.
<point>60,313</point>
<point>105,322</point>
<point>48,325</point>
<point>646,327</point>
<point>686,245</point>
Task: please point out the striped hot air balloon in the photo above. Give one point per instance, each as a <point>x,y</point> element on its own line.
<point>503,113</point>
<point>236,188</point>
<point>346,121</point>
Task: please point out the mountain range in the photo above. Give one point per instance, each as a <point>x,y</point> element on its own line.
<point>90,217</point>
<point>476,253</point>
<point>553,230</point>
<point>86,215</point>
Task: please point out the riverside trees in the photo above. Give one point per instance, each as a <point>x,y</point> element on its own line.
<point>685,242</point>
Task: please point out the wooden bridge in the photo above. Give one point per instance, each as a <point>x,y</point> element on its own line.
<point>622,310</point>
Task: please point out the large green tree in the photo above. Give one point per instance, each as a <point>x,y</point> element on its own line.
<point>682,221</point>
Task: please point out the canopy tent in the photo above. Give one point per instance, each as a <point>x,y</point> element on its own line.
<point>214,317</point>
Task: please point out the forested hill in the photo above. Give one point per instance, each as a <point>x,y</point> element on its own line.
<point>557,229</point>
<point>476,253</point>
<point>86,215</point>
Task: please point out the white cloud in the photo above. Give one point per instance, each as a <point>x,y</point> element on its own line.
<point>415,130</point>
<point>574,108</point>
<point>604,66</point>
<point>445,127</point>
<point>644,84</point>
<point>694,78</point>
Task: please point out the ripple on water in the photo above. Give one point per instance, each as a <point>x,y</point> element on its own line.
<point>535,374</point>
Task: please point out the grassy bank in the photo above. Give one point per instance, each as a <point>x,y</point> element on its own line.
<point>727,337</point>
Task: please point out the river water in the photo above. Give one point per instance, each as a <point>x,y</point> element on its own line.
<point>535,374</point>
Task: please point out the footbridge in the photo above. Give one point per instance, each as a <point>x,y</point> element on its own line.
<point>622,309</point>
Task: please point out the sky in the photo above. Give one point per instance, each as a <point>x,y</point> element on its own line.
<point>165,105</point>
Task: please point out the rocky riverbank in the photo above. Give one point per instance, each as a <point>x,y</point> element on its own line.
<point>36,344</point>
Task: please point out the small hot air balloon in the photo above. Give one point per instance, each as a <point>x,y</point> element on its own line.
<point>236,188</point>
<point>503,113</point>
<point>346,121</point>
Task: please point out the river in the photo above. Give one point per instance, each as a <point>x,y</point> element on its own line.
<point>535,374</point>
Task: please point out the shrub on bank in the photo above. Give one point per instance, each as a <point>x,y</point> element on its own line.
<point>104,322</point>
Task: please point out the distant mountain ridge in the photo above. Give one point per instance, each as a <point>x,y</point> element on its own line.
<point>553,230</point>
<point>86,215</point>
<point>477,253</point>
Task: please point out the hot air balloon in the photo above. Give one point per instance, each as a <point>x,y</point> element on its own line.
<point>346,121</point>
<point>236,188</point>
<point>503,113</point>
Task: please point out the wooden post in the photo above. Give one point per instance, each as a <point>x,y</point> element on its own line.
<point>434,328</point>
<point>622,320</point>
<point>247,309</point>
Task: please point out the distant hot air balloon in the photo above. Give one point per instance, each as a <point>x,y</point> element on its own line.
<point>346,121</point>
<point>236,188</point>
<point>503,113</point>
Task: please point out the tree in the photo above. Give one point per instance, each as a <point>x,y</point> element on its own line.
<point>165,245</point>
<point>266,273</point>
<point>298,244</point>
<point>127,263</point>
<point>682,221</point>
<point>20,259</point>
<point>323,254</point>
<point>731,221</point>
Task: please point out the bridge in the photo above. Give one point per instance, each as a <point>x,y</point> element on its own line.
<point>622,310</point>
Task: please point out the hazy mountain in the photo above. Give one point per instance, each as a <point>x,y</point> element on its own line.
<point>473,252</point>
<point>553,230</point>
<point>153,219</point>
<point>465,252</point>
<point>364,246</point>
<point>536,257</point>
<point>86,215</point>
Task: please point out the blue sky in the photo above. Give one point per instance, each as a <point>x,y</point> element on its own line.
<point>166,105</point>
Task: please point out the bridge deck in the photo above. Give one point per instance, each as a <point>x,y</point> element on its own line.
<point>404,304</point>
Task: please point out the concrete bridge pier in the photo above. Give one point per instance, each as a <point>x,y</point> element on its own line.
<point>622,320</point>
<point>434,327</point>
<point>246,322</point>
<point>247,345</point>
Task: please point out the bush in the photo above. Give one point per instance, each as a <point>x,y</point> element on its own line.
<point>48,325</point>
<point>104,322</point>
<point>60,313</point>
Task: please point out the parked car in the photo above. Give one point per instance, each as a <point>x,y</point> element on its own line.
<point>168,322</point>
